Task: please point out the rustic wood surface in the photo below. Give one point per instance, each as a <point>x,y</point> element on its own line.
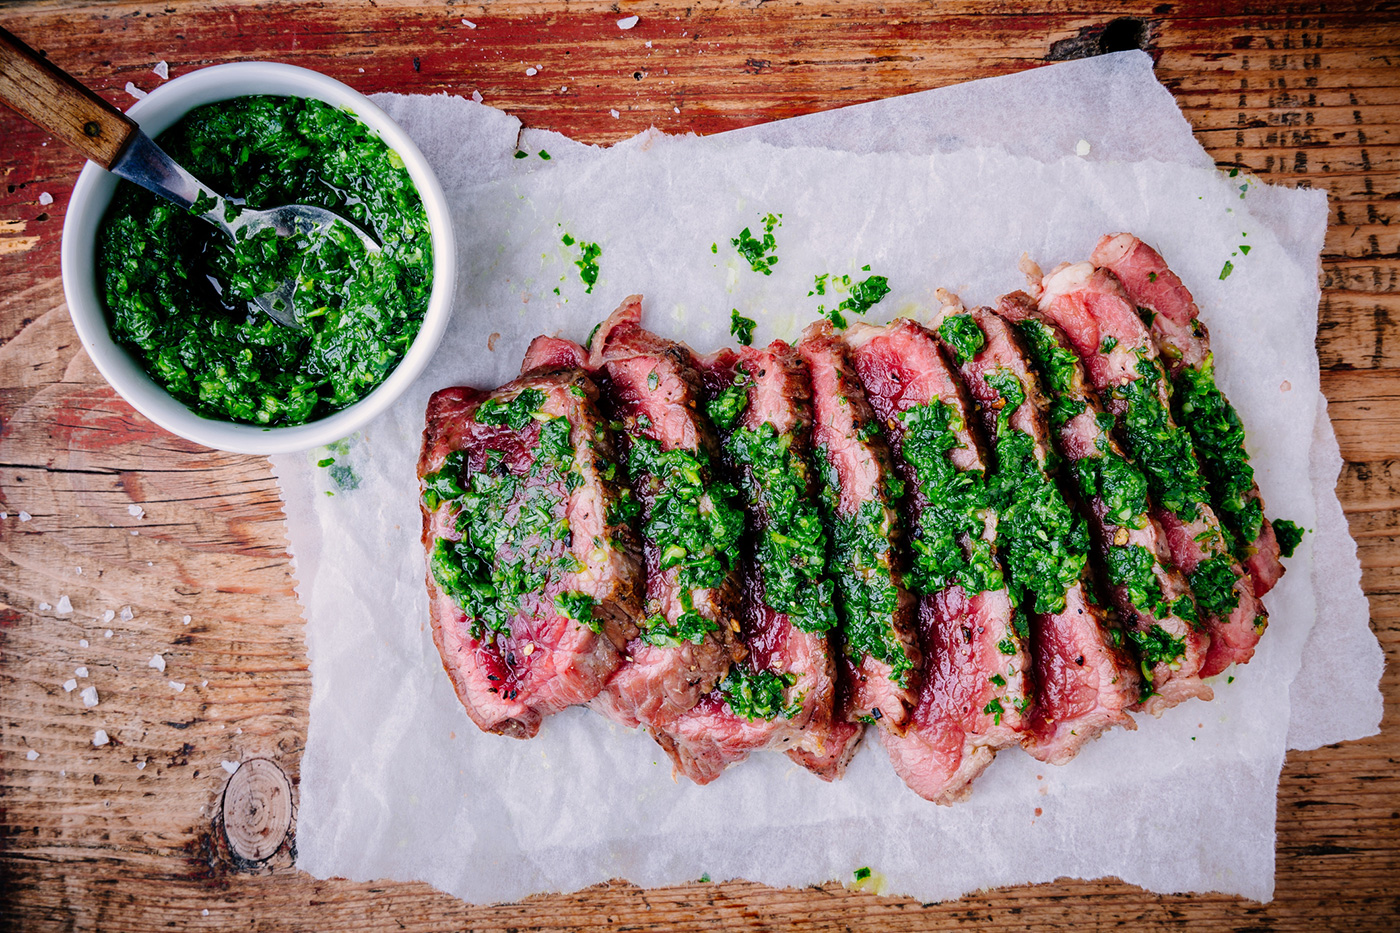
<point>131,835</point>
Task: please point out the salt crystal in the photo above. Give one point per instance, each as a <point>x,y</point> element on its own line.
<point>44,607</point>
<point>469,24</point>
<point>1082,147</point>
<point>70,685</point>
<point>134,533</point>
<point>45,198</point>
<point>99,738</point>
<point>185,620</point>
<point>108,616</point>
<point>64,606</point>
<point>4,515</point>
<point>140,766</point>
<point>676,109</point>
<point>205,912</point>
<point>32,755</point>
<point>628,22</point>
<point>230,766</point>
<point>476,96</point>
<point>531,72</point>
<point>24,516</point>
<point>82,642</point>
<point>648,43</point>
<point>162,70</point>
<point>78,570</point>
<point>177,686</point>
<point>89,696</point>
<point>135,511</point>
<point>127,614</point>
<point>157,662</point>
<point>135,91</point>
<point>81,671</point>
<point>205,684</point>
<point>615,114</point>
<point>107,634</point>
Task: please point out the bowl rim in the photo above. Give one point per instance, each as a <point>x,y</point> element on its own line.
<point>93,193</point>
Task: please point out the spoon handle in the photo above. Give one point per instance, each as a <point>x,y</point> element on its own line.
<point>52,99</point>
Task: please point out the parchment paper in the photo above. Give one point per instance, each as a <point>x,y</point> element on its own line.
<point>396,782</point>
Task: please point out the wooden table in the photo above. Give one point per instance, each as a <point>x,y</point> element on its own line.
<point>131,835</point>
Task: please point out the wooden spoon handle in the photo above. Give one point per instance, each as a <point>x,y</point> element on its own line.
<point>53,100</point>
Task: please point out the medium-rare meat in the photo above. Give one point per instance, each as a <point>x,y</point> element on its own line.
<point>691,524</point>
<point>1198,404</point>
<point>880,659</point>
<point>534,584</point>
<point>1122,360</point>
<point>1151,596</point>
<point>975,694</point>
<point>1085,679</point>
<point>782,695</point>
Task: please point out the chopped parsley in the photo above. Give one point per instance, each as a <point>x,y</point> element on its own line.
<point>579,607</point>
<point>1288,535</point>
<point>862,296</point>
<point>1058,366</point>
<point>753,695</point>
<point>1131,566</point>
<point>515,414</point>
<point>1162,448</point>
<point>1213,582</point>
<point>741,328</point>
<point>1229,266</point>
<point>962,335</point>
<point>1155,646</point>
<point>1118,483</point>
<point>587,263</point>
<point>759,253</point>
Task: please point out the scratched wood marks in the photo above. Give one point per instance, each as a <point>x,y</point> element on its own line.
<point>190,542</point>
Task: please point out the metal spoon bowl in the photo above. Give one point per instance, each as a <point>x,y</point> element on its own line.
<point>57,102</point>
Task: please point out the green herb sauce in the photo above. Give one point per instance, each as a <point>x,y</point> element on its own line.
<point>741,328</point>
<point>1213,582</point>
<point>179,292</point>
<point>1156,646</point>
<point>1057,366</point>
<point>1202,408</point>
<point>863,295</point>
<point>587,263</point>
<point>962,335</point>
<point>755,695</point>
<point>1162,448</point>
<point>1288,535</point>
<point>756,252</point>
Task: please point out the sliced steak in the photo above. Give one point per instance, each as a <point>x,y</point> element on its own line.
<point>1197,402</point>
<point>1085,679</point>
<point>975,695</point>
<point>534,586</point>
<point>880,659</point>
<point>1121,357</point>
<point>1130,545</point>
<point>691,526</point>
<point>782,695</point>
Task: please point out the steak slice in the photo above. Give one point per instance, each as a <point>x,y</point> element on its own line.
<point>975,694</point>
<point>691,526</point>
<point>1085,679</point>
<point>880,660</point>
<point>1197,402</point>
<point>533,589</point>
<point>1130,544</point>
<point>1122,360</point>
<point>782,695</point>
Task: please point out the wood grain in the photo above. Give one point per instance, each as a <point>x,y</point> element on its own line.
<point>126,836</point>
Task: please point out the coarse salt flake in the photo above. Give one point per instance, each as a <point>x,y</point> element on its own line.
<point>531,72</point>
<point>162,70</point>
<point>140,766</point>
<point>158,662</point>
<point>134,532</point>
<point>108,616</point>
<point>628,22</point>
<point>135,511</point>
<point>1082,147</point>
<point>89,696</point>
<point>32,755</point>
<point>135,91</point>
<point>648,43</point>
<point>80,672</point>
<point>99,738</point>
<point>107,634</point>
<point>70,685</point>
<point>127,614</point>
<point>82,642</point>
<point>185,620</point>
<point>177,686</point>
<point>615,114</point>
<point>476,96</point>
<point>24,516</point>
<point>230,766</point>
<point>45,198</point>
<point>64,606</point>
<point>4,515</point>
<point>469,24</point>
<point>44,607</point>
<point>204,912</point>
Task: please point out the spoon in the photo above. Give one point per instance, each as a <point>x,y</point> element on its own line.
<point>57,102</point>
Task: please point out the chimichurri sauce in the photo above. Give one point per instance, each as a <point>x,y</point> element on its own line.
<point>178,291</point>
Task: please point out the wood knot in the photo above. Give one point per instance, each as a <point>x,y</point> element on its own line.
<point>257,810</point>
<point>1117,35</point>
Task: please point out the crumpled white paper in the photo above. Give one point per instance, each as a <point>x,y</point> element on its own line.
<point>396,782</point>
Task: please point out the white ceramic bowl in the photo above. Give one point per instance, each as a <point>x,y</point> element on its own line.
<point>94,192</point>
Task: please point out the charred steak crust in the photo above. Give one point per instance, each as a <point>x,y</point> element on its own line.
<point>1085,679</point>
<point>533,590</point>
<point>1125,367</point>
<point>1197,403</point>
<point>975,694</point>
<point>1152,597</point>
<point>880,660</point>
<point>691,525</point>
